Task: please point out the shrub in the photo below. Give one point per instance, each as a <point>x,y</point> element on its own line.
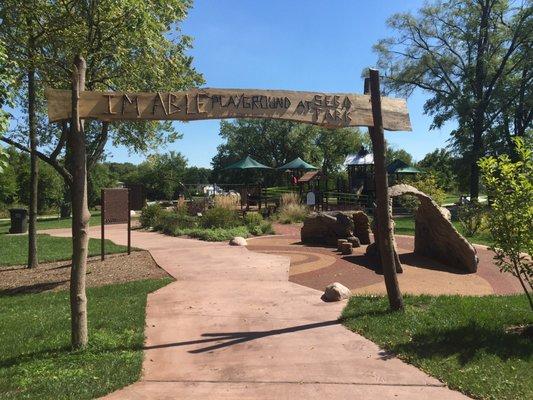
<point>471,217</point>
<point>169,221</point>
<point>287,199</point>
<point>510,188</point>
<point>219,217</point>
<point>150,215</point>
<point>196,206</point>
<point>252,219</point>
<point>230,202</point>
<point>292,213</point>
<point>426,183</point>
<point>214,235</point>
<point>266,228</point>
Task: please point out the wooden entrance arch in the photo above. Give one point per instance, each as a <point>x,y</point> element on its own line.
<point>332,110</point>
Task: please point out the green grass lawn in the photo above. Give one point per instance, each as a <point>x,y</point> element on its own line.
<point>35,360</point>
<point>460,340</point>
<point>14,248</point>
<point>53,223</point>
<point>406,226</point>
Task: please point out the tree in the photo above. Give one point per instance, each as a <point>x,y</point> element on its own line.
<point>6,80</point>
<point>275,142</point>
<point>197,175</point>
<point>440,163</point>
<point>161,174</point>
<point>24,30</point>
<point>145,51</point>
<point>392,154</point>
<point>510,187</point>
<point>463,53</point>
<point>134,45</point>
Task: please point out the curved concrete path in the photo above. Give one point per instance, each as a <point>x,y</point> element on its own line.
<point>233,327</point>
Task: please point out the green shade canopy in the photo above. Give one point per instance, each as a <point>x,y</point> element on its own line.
<point>247,163</point>
<point>297,163</point>
<point>400,167</point>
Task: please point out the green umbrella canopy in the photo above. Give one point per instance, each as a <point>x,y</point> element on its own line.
<point>400,167</point>
<point>247,163</point>
<point>297,163</point>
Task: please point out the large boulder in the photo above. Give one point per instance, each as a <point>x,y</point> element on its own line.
<point>361,227</point>
<point>435,236</point>
<point>238,241</point>
<point>326,228</point>
<point>336,292</point>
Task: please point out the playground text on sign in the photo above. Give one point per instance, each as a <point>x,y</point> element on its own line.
<point>326,109</point>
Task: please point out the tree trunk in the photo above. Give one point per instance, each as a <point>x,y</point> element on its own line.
<point>384,226</point>
<point>33,261</point>
<point>80,213</point>
<point>477,153</point>
<point>66,203</point>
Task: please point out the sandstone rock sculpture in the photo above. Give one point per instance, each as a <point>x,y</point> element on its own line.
<point>354,241</point>
<point>361,227</point>
<point>326,228</point>
<point>346,248</point>
<point>435,236</point>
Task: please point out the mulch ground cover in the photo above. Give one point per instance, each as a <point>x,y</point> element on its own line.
<point>55,276</point>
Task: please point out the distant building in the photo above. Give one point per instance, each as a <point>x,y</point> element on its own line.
<point>360,168</point>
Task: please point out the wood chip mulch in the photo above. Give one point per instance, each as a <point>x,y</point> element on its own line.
<point>55,276</point>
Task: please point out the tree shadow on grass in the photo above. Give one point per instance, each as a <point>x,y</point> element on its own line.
<point>466,342</point>
<point>63,351</point>
<point>31,289</point>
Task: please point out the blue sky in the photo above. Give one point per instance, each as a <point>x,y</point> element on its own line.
<point>297,45</point>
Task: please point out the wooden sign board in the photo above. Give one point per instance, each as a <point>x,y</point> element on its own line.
<point>137,196</point>
<point>115,209</point>
<point>333,110</point>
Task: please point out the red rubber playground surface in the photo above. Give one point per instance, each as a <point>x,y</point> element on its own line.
<point>316,267</point>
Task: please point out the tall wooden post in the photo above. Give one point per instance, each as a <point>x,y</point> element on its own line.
<point>102,224</point>
<point>80,212</point>
<point>384,226</point>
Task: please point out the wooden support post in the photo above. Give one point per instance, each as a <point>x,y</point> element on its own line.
<point>80,212</point>
<point>102,224</point>
<point>384,226</point>
<point>129,222</point>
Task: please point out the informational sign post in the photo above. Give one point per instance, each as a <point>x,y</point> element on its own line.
<point>115,210</point>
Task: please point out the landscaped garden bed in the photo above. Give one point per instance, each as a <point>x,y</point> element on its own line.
<point>477,345</point>
<point>220,222</point>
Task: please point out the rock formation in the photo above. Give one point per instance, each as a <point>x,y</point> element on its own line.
<point>336,292</point>
<point>435,236</point>
<point>326,228</point>
<point>361,227</point>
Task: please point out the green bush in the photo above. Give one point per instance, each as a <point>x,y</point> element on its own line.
<point>219,217</point>
<point>427,184</point>
<point>510,187</point>
<point>292,213</point>
<point>252,219</point>
<point>169,221</point>
<point>213,235</point>
<point>150,215</point>
<point>471,218</point>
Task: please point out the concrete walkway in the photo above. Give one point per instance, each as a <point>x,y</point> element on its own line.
<point>233,327</point>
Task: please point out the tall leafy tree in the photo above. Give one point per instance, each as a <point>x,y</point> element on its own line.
<point>133,45</point>
<point>25,28</point>
<point>463,53</point>
<point>275,142</point>
<point>6,80</point>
